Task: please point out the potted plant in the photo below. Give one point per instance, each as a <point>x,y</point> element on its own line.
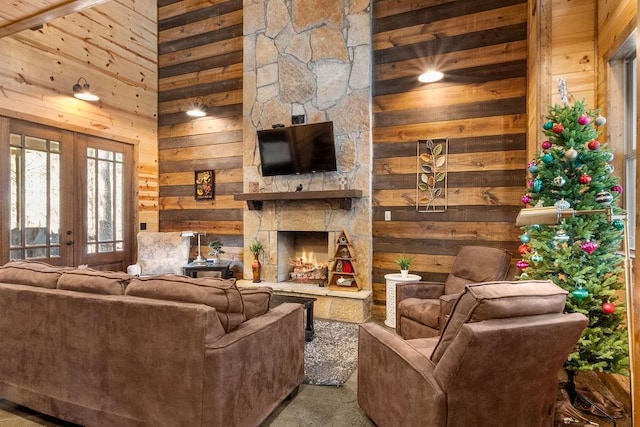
<point>404,262</point>
<point>216,249</point>
<point>255,248</point>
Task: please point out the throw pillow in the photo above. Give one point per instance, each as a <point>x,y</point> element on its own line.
<point>94,281</point>
<point>256,301</point>
<point>32,273</point>
<point>221,294</point>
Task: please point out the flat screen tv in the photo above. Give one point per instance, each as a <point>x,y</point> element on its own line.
<point>297,149</point>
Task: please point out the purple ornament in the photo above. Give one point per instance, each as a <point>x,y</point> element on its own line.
<point>526,199</point>
<point>583,120</point>
<point>522,264</point>
<point>546,145</point>
<point>589,246</point>
<point>617,189</point>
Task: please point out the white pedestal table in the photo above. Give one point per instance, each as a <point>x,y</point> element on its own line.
<point>392,280</point>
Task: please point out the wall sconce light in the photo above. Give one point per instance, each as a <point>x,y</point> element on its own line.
<point>82,91</point>
<point>198,108</point>
<point>430,76</point>
<point>199,259</point>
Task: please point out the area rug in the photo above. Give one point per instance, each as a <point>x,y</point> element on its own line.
<point>332,356</point>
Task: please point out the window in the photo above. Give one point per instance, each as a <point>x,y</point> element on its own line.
<point>630,136</point>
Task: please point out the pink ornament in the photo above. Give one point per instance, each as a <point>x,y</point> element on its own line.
<point>557,128</point>
<point>593,145</point>
<point>583,120</point>
<point>530,183</point>
<point>617,189</point>
<point>589,246</point>
<point>546,145</point>
<point>526,199</point>
<point>522,264</point>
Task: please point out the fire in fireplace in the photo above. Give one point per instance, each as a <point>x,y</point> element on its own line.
<point>306,268</point>
<point>303,257</point>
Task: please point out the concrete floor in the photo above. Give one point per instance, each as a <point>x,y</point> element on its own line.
<point>313,406</point>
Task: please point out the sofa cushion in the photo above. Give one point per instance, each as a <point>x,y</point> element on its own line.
<point>221,294</point>
<point>499,300</point>
<point>94,281</point>
<point>476,264</point>
<point>424,311</point>
<point>32,273</point>
<point>256,301</point>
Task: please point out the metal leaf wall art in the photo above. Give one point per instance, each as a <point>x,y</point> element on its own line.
<point>431,185</point>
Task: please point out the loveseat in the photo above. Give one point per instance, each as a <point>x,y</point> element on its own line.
<point>109,349</point>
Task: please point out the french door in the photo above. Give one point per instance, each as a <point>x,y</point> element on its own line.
<point>69,197</point>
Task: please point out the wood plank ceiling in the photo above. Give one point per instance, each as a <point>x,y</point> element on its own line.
<point>24,15</point>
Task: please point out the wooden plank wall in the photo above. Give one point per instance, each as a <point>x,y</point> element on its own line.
<point>114,46</point>
<point>573,49</point>
<point>480,106</point>
<point>200,55</point>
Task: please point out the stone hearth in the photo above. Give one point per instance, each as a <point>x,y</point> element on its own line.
<point>334,305</point>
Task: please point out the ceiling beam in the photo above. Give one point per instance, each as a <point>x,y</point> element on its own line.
<point>45,16</point>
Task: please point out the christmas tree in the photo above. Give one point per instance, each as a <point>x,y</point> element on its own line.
<point>573,171</point>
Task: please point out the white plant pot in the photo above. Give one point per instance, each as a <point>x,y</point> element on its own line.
<point>404,273</point>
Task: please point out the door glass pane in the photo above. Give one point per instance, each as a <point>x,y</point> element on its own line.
<point>105,198</point>
<point>35,197</point>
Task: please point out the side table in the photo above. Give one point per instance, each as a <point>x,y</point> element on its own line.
<point>277,299</point>
<point>223,267</point>
<point>392,280</point>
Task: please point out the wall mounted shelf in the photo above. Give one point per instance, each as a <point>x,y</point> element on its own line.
<point>255,200</point>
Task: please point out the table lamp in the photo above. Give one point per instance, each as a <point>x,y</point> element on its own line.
<point>199,259</point>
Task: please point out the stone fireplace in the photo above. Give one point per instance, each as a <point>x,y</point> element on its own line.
<point>310,58</point>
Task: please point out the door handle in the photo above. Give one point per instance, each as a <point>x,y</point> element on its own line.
<point>69,242</point>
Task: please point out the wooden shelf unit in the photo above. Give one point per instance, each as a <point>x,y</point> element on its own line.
<point>343,265</point>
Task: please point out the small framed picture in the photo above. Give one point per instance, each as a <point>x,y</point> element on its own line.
<point>204,184</point>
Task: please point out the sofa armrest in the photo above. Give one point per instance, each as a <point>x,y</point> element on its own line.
<point>251,370</point>
<point>422,290</point>
<point>394,379</point>
<point>447,301</point>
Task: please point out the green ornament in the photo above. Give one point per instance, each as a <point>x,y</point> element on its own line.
<point>547,126</point>
<point>580,294</point>
<point>547,158</point>
<point>618,224</point>
<point>536,258</point>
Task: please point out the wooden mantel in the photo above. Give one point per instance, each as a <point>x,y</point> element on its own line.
<point>255,200</point>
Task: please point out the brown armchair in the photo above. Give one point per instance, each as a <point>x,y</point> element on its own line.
<point>495,364</point>
<point>422,307</point>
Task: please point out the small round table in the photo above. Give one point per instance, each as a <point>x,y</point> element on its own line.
<point>392,280</point>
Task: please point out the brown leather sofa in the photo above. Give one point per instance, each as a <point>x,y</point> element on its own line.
<point>422,307</point>
<point>495,364</point>
<point>106,349</point>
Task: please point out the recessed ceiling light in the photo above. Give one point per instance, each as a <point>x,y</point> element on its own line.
<point>430,76</point>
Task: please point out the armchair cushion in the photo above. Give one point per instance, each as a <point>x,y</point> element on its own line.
<point>423,311</point>
<point>500,300</point>
<point>476,264</point>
